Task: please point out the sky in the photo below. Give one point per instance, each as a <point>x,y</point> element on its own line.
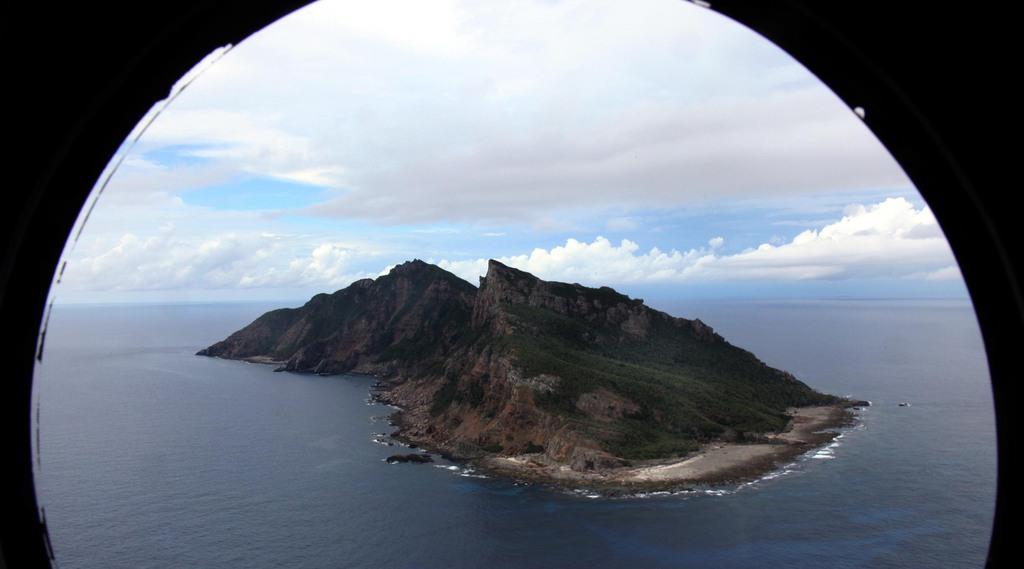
<point>652,146</point>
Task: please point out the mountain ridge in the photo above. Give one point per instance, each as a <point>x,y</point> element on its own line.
<point>586,377</point>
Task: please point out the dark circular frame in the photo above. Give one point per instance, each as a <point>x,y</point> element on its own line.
<point>926,75</point>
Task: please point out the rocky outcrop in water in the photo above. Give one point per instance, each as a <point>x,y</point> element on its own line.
<point>413,458</point>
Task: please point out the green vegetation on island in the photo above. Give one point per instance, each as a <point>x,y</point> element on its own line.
<point>586,376</point>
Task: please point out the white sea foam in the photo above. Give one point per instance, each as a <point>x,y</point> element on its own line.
<point>465,472</point>
<point>653,494</point>
<point>585,493</point>
<point>658,493</point>
<point>771,476</point>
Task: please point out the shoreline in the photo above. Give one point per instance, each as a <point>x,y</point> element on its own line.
<point>715,464</point>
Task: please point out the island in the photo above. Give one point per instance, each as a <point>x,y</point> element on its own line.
<point>550,381</point>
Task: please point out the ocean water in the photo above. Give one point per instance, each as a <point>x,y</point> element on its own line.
<point>149,456</point>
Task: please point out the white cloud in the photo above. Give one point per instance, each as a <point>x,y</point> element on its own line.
<point>142,182</point>
<point>654,156</point>
<point>467,120</point>
<point>462,111</point>
<point>242,143</point>
<point>887,239</point>
<point>166,261</point>
<point>950,273</point>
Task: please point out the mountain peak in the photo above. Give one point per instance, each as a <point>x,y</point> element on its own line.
<point>410,266</point>
<point>423,273</point>
<point>496,270</point>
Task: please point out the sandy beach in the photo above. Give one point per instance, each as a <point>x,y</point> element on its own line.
<point>715,463</point>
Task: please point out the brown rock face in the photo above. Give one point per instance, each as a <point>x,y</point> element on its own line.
<point>505,286</point>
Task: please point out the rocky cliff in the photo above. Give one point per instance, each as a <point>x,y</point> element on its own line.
<point>403,321</point>
<point>587,376</point>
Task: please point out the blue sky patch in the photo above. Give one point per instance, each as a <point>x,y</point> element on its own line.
<point>179,154</point>
<point>255,194</point>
